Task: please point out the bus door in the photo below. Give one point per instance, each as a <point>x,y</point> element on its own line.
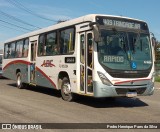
<point>86,62</point>
<point>33,62</point>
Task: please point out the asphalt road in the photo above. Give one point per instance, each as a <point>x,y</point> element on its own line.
<point>42,105</point>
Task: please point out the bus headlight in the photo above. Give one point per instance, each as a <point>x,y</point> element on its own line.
<point>104,79</point>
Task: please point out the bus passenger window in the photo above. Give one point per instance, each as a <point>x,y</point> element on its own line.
<point>6,51</point>
<point>25,48</point>
<point>12,50</point>
<point>41,47</point>
<point>67,41</point>
<point>19,48</point>
<point>9,51</point>
<point>51,44</point>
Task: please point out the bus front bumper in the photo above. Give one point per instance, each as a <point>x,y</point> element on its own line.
<point>0,73</point>
<point>101,90</point>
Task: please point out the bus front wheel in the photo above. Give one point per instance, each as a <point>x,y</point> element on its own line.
<point>66,90</point>
<point>19,81</point>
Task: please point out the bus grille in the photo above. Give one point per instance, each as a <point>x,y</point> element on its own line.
<point>131,75</point>
<point>125,90</point>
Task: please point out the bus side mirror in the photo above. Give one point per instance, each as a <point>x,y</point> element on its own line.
<point>154,43</point>
<point>96,31</point>
<point>153,39</point>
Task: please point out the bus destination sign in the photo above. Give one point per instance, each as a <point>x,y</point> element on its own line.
<point>122,23</point>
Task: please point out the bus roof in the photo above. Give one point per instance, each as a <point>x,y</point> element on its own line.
<point>86,18</point>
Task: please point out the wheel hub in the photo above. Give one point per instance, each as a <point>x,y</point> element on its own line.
<point>18,80</point>
<point>66,88</point>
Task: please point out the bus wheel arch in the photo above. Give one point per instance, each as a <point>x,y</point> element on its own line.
<point>61,75</point>
<point>18,70</point>
<point>65,86</point>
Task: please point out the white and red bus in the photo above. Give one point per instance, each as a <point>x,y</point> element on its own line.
<point>94,55</point>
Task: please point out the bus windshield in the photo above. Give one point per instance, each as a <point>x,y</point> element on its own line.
<point>121,50</point>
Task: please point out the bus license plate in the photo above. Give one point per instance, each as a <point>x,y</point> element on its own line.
<point>131,94</point>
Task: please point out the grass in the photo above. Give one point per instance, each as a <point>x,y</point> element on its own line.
<point>157,78</point>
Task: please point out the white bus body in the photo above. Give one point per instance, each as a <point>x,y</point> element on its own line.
<point>76,56</point>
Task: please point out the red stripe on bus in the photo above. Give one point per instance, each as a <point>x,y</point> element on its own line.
<point>46,76</point>
<point>28,63</point>
<point>131,81</point>
<point>15,62</point>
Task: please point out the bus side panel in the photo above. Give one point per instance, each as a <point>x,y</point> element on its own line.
<point>47,73</point>
<point>12,68</point>
<point>24,72</point>
<point>8,72</point>
<point>43,80</point>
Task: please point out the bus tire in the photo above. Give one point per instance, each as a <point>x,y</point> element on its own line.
<point>110,99</point>
<point>66,90</point>
<point>19,80</point>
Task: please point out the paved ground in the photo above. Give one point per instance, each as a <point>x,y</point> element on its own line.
<point>41,105</point>
<point>157,85</point>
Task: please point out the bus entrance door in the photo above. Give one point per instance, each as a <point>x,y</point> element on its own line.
<point>86,62</point>
<point>33,62</point>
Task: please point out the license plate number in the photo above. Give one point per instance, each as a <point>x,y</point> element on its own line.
<point>131,94</point>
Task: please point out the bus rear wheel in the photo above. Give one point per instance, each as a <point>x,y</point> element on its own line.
<point>66,90</point>
<point>19,81</point>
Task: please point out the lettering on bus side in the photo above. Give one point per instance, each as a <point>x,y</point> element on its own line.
<point>70,59</point>
<point>48,63</point>
<point>117,59</point>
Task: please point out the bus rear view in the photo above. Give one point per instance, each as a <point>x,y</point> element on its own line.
<point>123,58</point>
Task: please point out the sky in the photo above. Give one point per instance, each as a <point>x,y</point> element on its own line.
<point>43,13</point>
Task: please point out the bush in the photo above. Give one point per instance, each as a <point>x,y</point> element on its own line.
<point>157,79</point>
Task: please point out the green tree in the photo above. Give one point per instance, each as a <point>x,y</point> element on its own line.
<point>157,58</point>
<point>157,52</point>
